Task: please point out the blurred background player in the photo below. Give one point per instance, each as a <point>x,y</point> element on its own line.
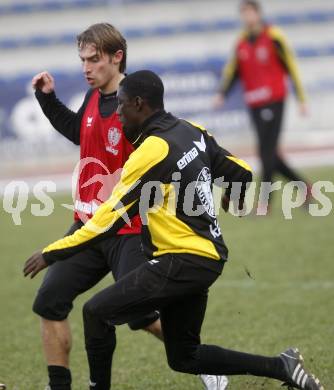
<point>262,61</point>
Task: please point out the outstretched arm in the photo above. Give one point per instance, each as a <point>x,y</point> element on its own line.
<point>111,215</point>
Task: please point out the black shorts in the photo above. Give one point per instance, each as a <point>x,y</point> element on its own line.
<point>176,285</point>
<point>153,286</point>
<point>65,280</point>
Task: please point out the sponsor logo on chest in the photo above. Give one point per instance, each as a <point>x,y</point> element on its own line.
<point>190,156</point>
<point>187,158</point>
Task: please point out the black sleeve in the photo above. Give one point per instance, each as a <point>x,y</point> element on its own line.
<point>64,253</point>
<point>65,121</point>
<point>227,167</point>
<point>224,164</point>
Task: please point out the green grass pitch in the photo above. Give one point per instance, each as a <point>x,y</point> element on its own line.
<point>288,301</point>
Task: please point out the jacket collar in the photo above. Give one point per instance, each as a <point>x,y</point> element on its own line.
<point>160,120</point>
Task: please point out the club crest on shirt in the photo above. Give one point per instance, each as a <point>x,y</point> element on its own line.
<point>203,189</point>
<point>114,136</point>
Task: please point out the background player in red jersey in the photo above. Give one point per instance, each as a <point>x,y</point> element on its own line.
<point>262,61</point>
<point>96,128</point>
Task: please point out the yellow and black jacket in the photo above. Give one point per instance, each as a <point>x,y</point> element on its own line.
<point>168,179</point>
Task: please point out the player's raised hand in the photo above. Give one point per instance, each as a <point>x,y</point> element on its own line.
<point>43,81</point>
<point>303,109</point>
<point>218,101</point>
<point>238,205</point>
<point>34,264</point>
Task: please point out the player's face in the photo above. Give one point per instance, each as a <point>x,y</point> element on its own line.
<point>98,68</point>
<point>128,111</point>
<point>250,17</point>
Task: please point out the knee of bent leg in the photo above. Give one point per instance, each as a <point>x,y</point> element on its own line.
<point>183,361</point>
<point>48,305</point>
<point>99,332</point>
<point>177,364</point>
<point>89,310</point>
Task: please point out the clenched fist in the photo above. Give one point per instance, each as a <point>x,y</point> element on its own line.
<point>44,82</point>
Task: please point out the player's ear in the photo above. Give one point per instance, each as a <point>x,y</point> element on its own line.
<point>139,103</point>
<point>117,57</point>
